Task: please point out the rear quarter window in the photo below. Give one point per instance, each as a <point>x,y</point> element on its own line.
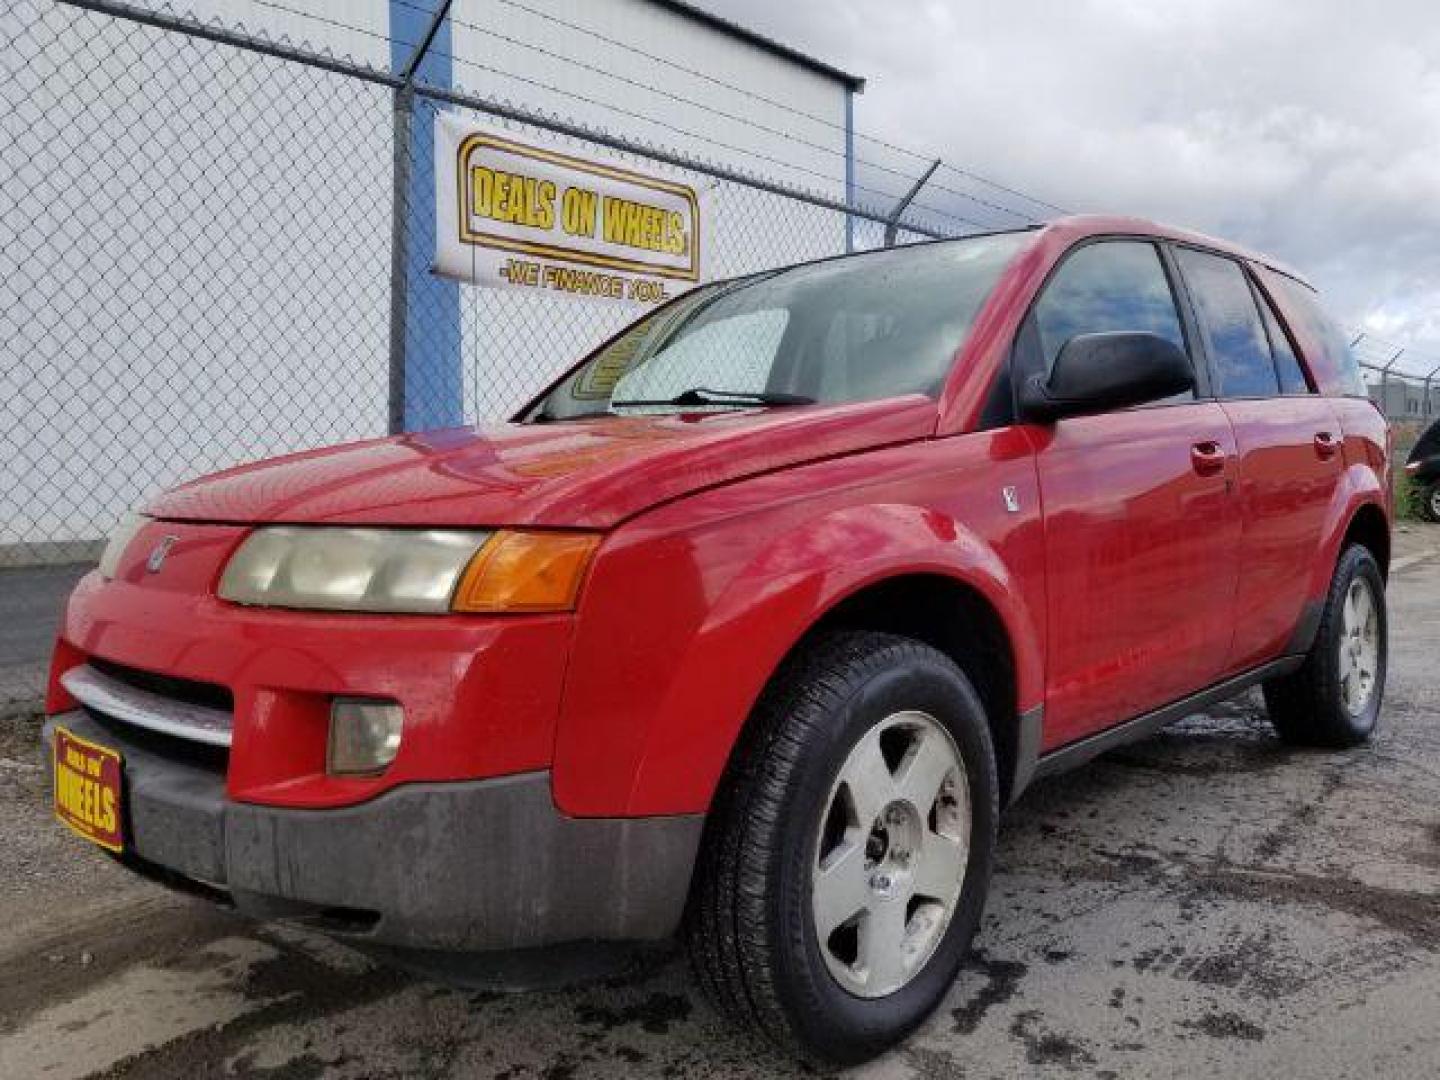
<point>1326,348</point>
<point>1240,355</point>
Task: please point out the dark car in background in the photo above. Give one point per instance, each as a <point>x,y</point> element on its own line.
<point>1423,468</point>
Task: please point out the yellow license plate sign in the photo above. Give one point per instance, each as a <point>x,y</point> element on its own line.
<point>87,789</point>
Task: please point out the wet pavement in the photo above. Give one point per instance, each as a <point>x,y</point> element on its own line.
<point>1206,903</point>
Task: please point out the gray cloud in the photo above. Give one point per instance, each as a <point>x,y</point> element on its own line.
<point>1309,129</point>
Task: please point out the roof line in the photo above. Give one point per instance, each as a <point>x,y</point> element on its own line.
<point>718,22</point>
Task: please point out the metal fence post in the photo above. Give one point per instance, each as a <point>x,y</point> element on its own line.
<point>404,105</point>
<point>1433,372</point>
<point>849,167</point>
<point>1385,381</point>
<point>400,401</point>
<point>892,223</point>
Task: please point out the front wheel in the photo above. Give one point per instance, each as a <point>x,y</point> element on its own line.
<point>847,859</point>
<point>1334,699</point>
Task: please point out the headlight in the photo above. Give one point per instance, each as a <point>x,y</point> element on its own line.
<point>340,569</point>
<point>119,540</point>
<point>407,570</point>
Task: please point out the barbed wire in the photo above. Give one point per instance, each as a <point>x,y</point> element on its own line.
<point>1385,357</point>
<point>710,140</point>
<point>791,137</point>
<point>671,95</point>
<point>747,92</point>
<point>388,39</point>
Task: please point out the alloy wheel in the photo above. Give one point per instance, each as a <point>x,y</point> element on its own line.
<point>1359,646</point>
<point>891,853</point>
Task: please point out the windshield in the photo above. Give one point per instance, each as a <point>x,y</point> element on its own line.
<point>874,326</point>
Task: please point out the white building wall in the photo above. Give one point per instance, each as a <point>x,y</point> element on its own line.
<point>200,275</point>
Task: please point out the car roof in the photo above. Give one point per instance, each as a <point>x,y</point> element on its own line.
<point>1083,225</point>
<point>1065,231</point>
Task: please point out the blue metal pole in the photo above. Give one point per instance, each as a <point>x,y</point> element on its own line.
<point>434,384</point>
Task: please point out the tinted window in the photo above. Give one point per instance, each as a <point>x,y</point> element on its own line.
<point>1225,306</point>
<point>1115,285</point>
<point>1287,364</point>
<point>1328,349</point>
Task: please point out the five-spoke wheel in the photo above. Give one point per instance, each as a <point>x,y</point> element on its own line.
<point>890,854</point>
<point>1359,646</point>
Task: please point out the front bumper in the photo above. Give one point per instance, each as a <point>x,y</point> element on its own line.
<point>480,694</point>
<point>465,866</point>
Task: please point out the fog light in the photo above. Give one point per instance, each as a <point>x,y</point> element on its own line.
<point>364,736</point>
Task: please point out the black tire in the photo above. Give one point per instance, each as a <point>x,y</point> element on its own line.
<point>749,931</point>
<point>1428,500</point>
<point>1307,708</point>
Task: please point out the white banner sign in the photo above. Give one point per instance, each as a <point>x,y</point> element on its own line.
<point>515,216</point>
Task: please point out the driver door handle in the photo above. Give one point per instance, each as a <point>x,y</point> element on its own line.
<point>1326,444</point>
<point>1208,458</point>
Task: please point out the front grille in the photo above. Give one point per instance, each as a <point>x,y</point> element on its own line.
<point>130,739</point>
<point>207,695</point>
<point>199,717</point>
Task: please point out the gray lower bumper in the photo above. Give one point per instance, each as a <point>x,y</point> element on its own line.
<point>467,866</point>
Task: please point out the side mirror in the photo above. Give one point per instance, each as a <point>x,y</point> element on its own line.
<point>1096,373</point>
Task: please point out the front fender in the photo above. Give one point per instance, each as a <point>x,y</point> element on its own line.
<point>680,632</point>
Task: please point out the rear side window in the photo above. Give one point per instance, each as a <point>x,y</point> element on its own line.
<point>1239,347</point>
<point>1325,344</point>
<point>1287,364</point>
<point>1112,285</point>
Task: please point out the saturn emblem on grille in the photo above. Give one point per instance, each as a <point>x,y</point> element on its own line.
<point>157,556</point>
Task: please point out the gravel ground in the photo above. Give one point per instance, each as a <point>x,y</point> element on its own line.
<point>1205,903</point>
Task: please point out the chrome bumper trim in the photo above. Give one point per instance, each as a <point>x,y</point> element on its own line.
<point>132,705</point>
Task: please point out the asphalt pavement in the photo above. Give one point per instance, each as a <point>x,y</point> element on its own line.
<point>1206,903</point>
<point>31,599</point>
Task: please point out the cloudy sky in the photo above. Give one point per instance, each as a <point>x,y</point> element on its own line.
<point>1309,129</point>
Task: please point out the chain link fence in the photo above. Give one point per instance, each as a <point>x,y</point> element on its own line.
<point>197,261</point>
<point>1405,383</point>
<point>160,310</point>
<point>202,264</point>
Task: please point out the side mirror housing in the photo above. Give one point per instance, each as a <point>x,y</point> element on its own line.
<point>1096,373</point>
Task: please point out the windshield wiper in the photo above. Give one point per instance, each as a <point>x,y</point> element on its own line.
<point>700,395</point>
<point>548,418</point>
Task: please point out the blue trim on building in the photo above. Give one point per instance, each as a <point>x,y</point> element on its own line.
<point>849,166</point>
<point>434,378</point>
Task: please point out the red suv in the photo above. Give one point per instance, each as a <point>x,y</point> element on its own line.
<point>751,623</point>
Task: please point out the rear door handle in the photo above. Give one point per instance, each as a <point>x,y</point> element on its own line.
<point>1326,444</point>
<point>1207,458</point>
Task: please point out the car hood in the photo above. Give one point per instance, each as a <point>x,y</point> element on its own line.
<point>591,473</point>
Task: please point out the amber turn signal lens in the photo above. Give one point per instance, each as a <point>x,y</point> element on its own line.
<point>526,571</point>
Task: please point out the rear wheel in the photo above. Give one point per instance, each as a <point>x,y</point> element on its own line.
<point>848,855</point>
<point>1334,699</point>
